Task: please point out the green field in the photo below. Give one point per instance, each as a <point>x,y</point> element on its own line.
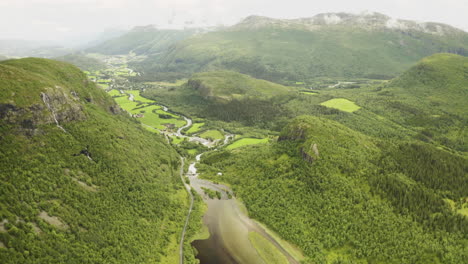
<point>169,84</point>
<point>342,104</point>
<point>151,113</point>
<point>212,134</point>
<point>247,141</point>
<point>138,97</point>
<point>125,103</point>
<point>195,128</point>
<point>103,86</point>
<point>151,117</point>
<point>267,251</point>
<point>114,92</point>
<point>192,151</point>
<point>177,140</point>
<point>309,93</point>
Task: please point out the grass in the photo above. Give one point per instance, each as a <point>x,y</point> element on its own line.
<point>192,151</point>
<point>309,92</point>
<point>114,92</point>
<point>267,251</point>
<point>291,249</point>
<point>195,128</point>
<point>212,134</point>
<point>152,119</point>
<point>177,140</point>
<point>150,112</point>
<point>247,141</point>
<point>138,97</point>
<point>125,103</point>
<point>341,104</point>
<point>169,84</point>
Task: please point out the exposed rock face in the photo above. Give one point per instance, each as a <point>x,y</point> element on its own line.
<point>301,132</point>
<point>56,106</point>
<point>65,105</point>
<point>200,87</point>
<point>296,134</point>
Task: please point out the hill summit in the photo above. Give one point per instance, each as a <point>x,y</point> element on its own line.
<point>365,20</point>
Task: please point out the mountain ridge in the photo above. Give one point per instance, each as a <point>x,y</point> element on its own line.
<point>370,20</point>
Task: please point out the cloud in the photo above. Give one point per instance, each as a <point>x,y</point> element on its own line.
<point>44,18</point>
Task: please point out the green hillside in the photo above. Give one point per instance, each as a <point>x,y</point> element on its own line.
<point>425,105</point>
<point>229,85</point>
<point>440,81</point>
<point>295,50</point>
<point>142,40</point>
<point>83,62</point>
<point>344,197</point>
<point>100,190</point>
<point>430,98</point>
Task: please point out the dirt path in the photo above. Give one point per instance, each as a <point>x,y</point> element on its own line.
<point>188,188</point>
<point>231,211</point>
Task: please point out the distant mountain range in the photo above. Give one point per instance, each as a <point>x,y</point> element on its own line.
<point>26,48</point>
<point>369,45</point>
<point>369,20</point>
<point>147,40</point>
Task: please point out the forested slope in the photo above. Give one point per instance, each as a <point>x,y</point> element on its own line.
<point>100,190</point>
<point>301,49</point>
<point>344,197</point>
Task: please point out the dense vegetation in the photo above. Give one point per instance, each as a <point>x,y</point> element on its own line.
<point>347,165</point>
<point>344,197</point>
<point>227,85</point>
<point>284,53</point>
<point>414,105</point>
<point>387,185</point>
<point>104,191</point>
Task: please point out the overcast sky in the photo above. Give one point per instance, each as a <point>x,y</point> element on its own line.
<point>74,19</point>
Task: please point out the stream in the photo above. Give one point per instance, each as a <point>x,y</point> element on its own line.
<point>228,225</point>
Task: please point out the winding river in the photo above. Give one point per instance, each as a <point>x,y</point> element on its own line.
<point>228,225</point>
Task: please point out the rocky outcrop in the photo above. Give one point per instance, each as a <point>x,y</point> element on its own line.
<point>55,107</point>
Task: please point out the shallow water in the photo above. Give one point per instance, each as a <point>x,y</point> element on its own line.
<point>229,242</point>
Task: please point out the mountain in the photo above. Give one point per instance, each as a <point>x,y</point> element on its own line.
<point>25,48</point>
<point>147,40</point>
<point>227,85</point>
<point>104,36</point>
<point>80,180</point>
<point>429,99</point>
<point>331,45</point>
<point>440,81</point>
<point>344,197</point>
<point>83,62</point>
